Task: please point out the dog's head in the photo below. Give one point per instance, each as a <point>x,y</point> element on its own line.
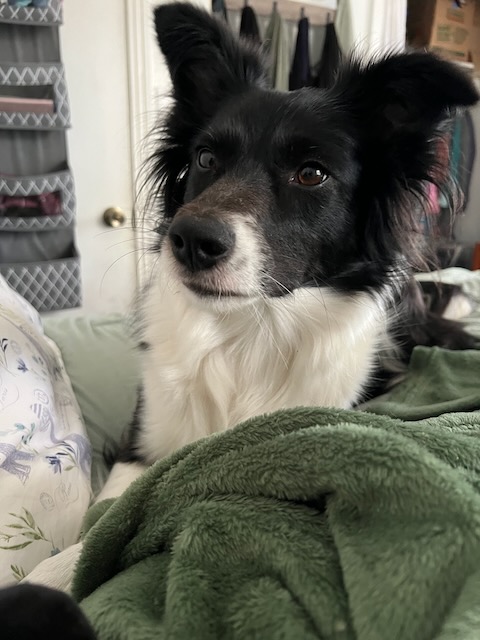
<point>265,192</point>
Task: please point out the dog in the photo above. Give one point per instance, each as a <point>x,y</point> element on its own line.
<point>287,240</point>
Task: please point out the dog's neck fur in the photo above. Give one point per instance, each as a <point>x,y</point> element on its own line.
<point>205,371</point>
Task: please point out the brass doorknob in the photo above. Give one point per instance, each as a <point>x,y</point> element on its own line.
<point>114,217</point>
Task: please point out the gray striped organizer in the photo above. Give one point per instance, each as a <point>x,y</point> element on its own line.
<point>36,75</point>
<point>36,16</point>
<point>48,286</point>
<point>38,257</point>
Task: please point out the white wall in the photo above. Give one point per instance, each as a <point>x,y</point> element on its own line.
<point>467,228</point>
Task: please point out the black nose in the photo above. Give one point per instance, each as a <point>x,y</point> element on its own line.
<point>199,243</point>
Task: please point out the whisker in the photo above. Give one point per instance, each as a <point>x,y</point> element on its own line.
<point>116,244</point>
<point>125,255</point>
<point>277,282</point>
<point>269,331</point>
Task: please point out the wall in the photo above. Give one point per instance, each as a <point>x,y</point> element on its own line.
<point>467,228</point>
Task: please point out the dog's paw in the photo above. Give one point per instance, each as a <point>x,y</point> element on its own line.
<point>57,572</point>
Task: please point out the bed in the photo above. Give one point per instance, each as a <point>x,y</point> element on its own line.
<point>308,523</point>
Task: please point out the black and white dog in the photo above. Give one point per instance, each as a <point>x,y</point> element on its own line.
<point>285,251</point>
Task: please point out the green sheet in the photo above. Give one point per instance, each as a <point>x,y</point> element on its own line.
<point>303,524</point>
<point>438,381</point>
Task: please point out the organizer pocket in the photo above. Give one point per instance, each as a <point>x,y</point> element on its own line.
<point>35,16</point>
<point>49,286</point>
<point>35,246</point>
<point>28,91</point>
<point>54,192</point>
<point>27,99</point>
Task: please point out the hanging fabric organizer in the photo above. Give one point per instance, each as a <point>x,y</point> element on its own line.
<point>18,78</point>
<point>49,15</point>
<point>38,256</point>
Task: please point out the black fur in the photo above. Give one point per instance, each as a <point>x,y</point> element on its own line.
<point>421,321</point>
<point>374,135</point>
<point>437,296</point>
<point>207,65</point>
<point>30,611</point>
<point>128,448</point>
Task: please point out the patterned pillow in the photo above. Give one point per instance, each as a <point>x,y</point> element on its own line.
<point>44,453</point>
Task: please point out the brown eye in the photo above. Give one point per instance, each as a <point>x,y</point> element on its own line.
<point>311,175</point>
<point>206,159</point>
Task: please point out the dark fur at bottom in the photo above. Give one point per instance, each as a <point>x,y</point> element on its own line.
<point>423,323</point>
<point>30,611</point>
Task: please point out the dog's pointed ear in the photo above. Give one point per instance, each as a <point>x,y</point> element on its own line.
<point>400,108</point>
<point>401,103</point>
<point>207,63</point>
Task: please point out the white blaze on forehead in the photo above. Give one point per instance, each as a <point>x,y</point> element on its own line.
<point>248,256</point>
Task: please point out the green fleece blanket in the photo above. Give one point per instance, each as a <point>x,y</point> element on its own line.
<point>439,381</point>
<point>303,524</point>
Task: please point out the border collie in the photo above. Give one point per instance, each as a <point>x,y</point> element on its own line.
<point>288,235</point>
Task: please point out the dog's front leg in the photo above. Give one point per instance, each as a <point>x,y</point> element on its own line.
<point>57,572</point>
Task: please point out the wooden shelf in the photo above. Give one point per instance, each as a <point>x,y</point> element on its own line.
<point>288,9</point>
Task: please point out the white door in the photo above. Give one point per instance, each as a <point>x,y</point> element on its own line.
<point>117,81</point>
<point>94,52</point>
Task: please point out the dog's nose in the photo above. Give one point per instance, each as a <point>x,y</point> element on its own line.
<point>199,243</point>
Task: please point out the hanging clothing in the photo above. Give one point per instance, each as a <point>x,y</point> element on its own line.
<point>277,50</point>
<point>469,153</point>
<point>45,204</point>
<point>249,25</point>
<point>330,59</point>
<point>433,199</point>
<point>371,27</point>
<point>462,154</point>
<point>456,149</point>
<point>218,6</point>
<point>300,74</point>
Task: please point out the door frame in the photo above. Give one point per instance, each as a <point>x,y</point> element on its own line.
<point>149,93</point>
<point>141,90</point>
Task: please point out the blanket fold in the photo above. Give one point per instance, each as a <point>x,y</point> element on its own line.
<point>439,381</point>
<point>306,523</point>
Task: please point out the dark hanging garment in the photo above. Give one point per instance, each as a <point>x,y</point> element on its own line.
<point>300,75</point>
<point>276,47</point>
<point>218,7</point>
<point>330,59</point>
<point>249,26</point>
<point>469,151</point>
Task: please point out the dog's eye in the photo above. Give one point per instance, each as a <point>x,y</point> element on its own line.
<point>206,159</point>
<point>310,175</point>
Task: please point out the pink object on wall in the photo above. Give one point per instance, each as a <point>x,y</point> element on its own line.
<point>10,104</point>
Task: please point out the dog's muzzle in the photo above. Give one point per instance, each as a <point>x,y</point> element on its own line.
<point>199,243</point>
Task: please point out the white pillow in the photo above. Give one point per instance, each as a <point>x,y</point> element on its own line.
<point>44,452</point>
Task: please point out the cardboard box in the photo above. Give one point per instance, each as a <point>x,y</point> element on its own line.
<point>475,37</point>
<point>446,28</point>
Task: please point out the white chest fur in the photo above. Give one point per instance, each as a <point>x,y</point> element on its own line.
<point>206,371</point>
